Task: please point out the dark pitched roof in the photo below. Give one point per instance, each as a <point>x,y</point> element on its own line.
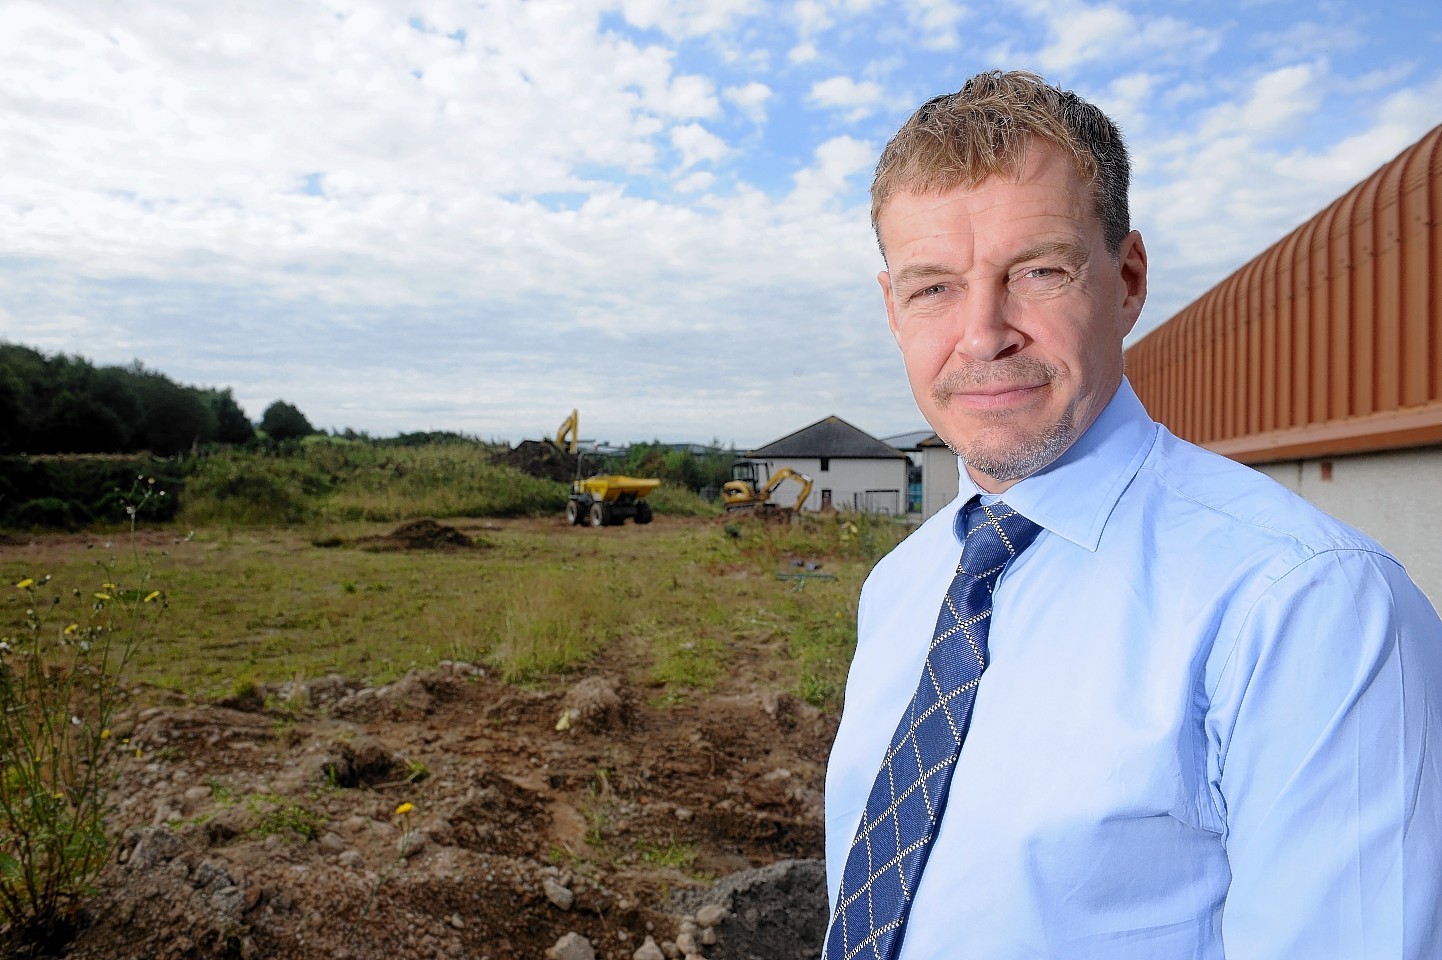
<point>932,441</point>
<point>832,437</point>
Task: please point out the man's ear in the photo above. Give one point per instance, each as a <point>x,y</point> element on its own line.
<point>1132,264</point>
<point>884,278</point>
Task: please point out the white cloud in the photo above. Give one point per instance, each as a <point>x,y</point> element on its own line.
<point>935,22</point>
<point>856,99</point>
<point>751,99</point>
<point>1081,34</point>
<point>803,53</point>
<point>697,145</point>
<point>835,162</point>
<point>687,18</point>
<point>696,182</point>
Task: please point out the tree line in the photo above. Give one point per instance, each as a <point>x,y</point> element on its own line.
<point>63,404</point>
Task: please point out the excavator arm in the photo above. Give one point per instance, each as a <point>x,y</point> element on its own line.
<point>780,477</point>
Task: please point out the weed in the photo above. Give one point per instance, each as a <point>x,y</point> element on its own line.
<point>669,854</point>
<point>220,793</point>
<point>284,816</point>
<point>59,685</point>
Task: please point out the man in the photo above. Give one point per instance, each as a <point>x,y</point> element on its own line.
<point>1210,719</point>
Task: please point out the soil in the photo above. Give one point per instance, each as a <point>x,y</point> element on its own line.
<point>449,814</point>
<point>540,458</point>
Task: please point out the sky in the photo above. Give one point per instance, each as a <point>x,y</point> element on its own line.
<point>476,216</point>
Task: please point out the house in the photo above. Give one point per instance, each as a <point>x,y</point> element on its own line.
<point>849,468</point>
<point>940,475</point>
<point>1320,362</point>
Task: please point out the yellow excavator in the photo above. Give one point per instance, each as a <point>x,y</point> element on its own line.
<point>752,486</point>
<point>602,500</point>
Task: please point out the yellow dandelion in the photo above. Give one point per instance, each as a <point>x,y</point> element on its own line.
<point>107,586</point>
<point>139,753</point>
<point>105,734</point>
<point>72,628</point>
<point>102,596</point>
<point>405,808</point>
<point>26,583</point>
<point>152,595</point>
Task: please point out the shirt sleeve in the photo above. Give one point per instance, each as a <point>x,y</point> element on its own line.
<point>1325,748</point>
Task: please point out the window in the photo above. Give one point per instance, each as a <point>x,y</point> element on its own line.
<point>825,464</point>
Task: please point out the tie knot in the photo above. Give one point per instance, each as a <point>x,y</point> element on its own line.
<point>999,535</point>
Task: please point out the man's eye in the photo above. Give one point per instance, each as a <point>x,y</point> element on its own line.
<point>1040,278</point>
<point>930,291</point>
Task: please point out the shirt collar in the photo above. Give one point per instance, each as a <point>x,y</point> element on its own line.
<point>1075,494</point>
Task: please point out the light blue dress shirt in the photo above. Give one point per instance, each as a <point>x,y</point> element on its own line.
<point>1211,726</point>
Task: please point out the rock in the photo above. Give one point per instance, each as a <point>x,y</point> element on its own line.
<point>686,942</point>
<point>648,951</point>
<point>332,843</point>
<point>558,894</point>
<point>707,937</point>
<point>229,902</point>
<point>683,814</point>
<point>572,946</point>
<point>351,858</point>
<point>358,762</point>
<point>457,921</point>
<point>710,915</point>
<point>668,947</point>
<point>777,912</point>
<point>594,703</point>
<point>153,846</point>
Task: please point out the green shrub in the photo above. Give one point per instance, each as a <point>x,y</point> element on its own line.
<point>677,501</point>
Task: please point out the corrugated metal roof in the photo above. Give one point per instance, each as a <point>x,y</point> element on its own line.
<point>831,437</point>
<point>1329,342</point>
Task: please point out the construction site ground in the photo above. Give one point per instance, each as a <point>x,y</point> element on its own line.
<point>450,814</point>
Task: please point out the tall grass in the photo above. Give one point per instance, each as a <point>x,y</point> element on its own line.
<point>334,480</point>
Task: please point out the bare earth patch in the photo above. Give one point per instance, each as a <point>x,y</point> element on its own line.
<point>276,834</point>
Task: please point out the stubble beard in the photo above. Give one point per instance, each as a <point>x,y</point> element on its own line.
<point>1008,455</point>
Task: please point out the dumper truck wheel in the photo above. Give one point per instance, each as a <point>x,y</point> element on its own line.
<point>574,513</point>
<point>598,515</point>
<point>643,512</point>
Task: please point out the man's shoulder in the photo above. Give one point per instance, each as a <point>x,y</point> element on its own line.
<point>1186,482</point>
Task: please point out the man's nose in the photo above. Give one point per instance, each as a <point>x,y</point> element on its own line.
<point>985,326</point>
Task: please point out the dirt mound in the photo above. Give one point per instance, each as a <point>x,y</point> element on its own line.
<point>540,458</point>
<point>446,815</point>
<point>418,535</point>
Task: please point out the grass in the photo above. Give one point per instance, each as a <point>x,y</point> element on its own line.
<point>672,603</point>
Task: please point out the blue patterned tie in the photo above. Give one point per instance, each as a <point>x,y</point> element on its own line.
<point>906,801</point>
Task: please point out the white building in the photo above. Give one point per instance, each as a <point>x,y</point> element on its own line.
<point>940,475</point>
<point>849,468</point>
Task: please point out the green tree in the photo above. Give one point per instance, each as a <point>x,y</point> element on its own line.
<point>231,423</point>
<point>175,418</point>
<point>282,421</point>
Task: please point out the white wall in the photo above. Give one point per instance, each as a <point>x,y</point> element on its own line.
<point>940,478</point>
<point>849,482</point>
<point>1395,497</point>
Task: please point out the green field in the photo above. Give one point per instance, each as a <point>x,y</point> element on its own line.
<point>673,605</point>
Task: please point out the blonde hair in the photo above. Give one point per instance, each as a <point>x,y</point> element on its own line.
<point>983,130</point>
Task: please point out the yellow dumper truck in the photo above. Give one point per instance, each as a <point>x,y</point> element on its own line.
<point>602,500</point>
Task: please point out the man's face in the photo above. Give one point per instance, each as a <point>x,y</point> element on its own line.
<point>1009,312</point>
